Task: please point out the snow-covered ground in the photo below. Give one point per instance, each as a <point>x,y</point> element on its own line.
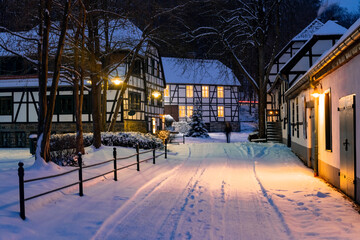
<point>204,190</point>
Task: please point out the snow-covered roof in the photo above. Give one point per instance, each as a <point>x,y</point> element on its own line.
<point>123,35</point>
<point>308,32</point>
<point>323,59</point>
<point>330,28</point>
<point>196,71</point>
<point>29,82</point>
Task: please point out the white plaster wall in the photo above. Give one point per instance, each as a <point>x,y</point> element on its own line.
<point>342,82</point>
<point>302,140</point>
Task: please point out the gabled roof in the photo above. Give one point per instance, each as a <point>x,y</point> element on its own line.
<point>197,71</point>
<point>348,38</point>
<point>329,30</point>
<point>124,35</point>
<point>308,32</point>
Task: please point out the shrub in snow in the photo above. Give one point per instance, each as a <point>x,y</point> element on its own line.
<point>163,134</point>
<point>63,146</point>
<point>197,126</point>
<point>169,121</point>
<point>181,127</point>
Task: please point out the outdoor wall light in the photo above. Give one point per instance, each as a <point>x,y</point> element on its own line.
<point>117,80</point>
<point>156,94</point>
<point>316,92</point>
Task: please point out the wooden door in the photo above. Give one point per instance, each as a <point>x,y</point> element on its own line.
<point>347,145</point>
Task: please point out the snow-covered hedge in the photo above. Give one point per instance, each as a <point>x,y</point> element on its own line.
<point>63,146</point>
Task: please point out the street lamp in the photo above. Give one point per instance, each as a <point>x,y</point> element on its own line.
<point>117,80</point>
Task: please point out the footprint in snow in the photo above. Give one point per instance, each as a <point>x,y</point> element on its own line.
<point>280,195</point>
<point>322,195</point>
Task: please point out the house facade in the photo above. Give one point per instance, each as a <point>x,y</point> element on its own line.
<point>139,111</point>
<point>205,83</point>
<point>292,113</point>
<point>326,100</point>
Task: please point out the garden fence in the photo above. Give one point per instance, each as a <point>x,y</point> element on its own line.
<point>80,173</point>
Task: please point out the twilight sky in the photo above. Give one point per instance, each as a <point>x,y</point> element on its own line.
<point>351,5</point>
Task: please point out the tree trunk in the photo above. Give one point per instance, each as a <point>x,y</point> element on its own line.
<point>45,144</point>
<point>44,29</point>
<point>262,92</point>
<point>96,111</point>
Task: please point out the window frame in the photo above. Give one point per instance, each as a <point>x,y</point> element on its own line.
<point>221,111</point>
<point>182,111</point>
<point>205,91</point>
<point>220,91</point>
<point>7,108</point>
<point>134,101</point>
<point>327,119</point>
<point>189,109</point>
<point>189,91</point>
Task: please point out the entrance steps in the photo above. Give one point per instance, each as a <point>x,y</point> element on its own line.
<point>273,132</point>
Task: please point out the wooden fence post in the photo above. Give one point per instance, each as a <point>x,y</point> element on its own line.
<point>154,155</point>
<point>115,166</point>
<point>81,192</point>
<point>166,148</point>
<point>137,157</point>
<point>21,189</point>
<point>183,138</point>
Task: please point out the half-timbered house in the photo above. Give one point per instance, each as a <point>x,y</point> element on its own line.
<point>207,83</point>
<point>290,113</point>
<point>140,110</point>
<point>331,87</point>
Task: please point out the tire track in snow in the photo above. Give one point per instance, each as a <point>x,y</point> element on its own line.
<point>178,213</point>
<point>110,223</point>
<point>263,152</point>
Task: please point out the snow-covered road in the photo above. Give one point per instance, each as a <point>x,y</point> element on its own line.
<point>206,191</point>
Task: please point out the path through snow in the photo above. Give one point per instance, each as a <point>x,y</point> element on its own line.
<point>206,191</point>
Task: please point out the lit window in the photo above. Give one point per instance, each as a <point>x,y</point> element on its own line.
<point>182,111</point>
<point>189,111</point>
<point>166,91</point>
<point>220,111</point>
<point>220,92</point>
<point>205,91</point>
<point>189,91</point>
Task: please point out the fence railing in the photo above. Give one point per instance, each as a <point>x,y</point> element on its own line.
<point>80,173</point>
<point>175,140</point>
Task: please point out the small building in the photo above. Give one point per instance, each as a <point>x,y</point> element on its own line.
<point>292,112</point>
<point>207,83</point>
<point>333,83</point>
<point>139,111</point>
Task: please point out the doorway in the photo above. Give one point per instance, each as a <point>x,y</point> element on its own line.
<point>347,145</point>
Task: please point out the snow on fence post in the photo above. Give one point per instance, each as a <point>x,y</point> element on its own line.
<point>166,148</point>
<point>21,189</point>
<point>81,192</point>
<point>137,157</point>
<point>154,155</point>
<point>115,167</point>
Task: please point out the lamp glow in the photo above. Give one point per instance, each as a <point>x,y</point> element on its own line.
<point>117,80</point>
<point>156,94</point>
<point>316,93</point>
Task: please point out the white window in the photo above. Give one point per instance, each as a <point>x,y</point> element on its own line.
<point>189,111</point>
<point>189,91</point>
<point>182,111</point>
<point>220,92</point>
<point>220,111</point>
<point>205,91</point>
